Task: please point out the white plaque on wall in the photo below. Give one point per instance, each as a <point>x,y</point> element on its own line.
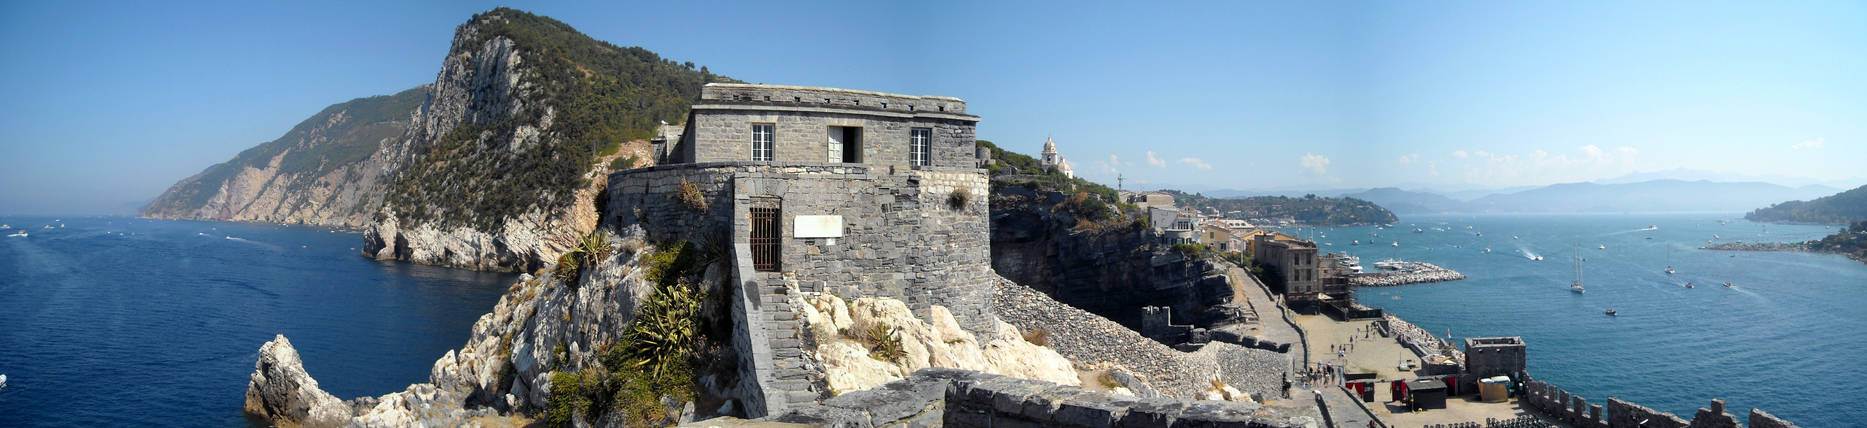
<point>817,226</point>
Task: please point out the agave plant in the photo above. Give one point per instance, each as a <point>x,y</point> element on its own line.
<point>595,247</point>
<point>666,328</point>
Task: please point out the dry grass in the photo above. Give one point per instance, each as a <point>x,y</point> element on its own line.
<point>1038,336</point>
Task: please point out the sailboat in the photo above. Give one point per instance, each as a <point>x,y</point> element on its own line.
<point>1577,285</point>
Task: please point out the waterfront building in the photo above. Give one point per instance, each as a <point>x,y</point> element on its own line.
<point>1051,160</point>
<point>1290,267</point>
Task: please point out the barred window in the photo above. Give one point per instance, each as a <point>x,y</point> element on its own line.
<point>762,142</point>
<point>920,147</point>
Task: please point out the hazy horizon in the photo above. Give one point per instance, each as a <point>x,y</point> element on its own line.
<point>109,106</point>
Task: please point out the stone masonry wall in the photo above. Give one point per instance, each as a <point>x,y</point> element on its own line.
<point>904,237</point>
<point>1576,411</point>
<point>960,398</point>
<point>723,133</point>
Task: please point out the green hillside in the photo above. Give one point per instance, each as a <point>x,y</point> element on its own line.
<point>600,95</point>
<point>1841,208</point>
<point>314,149</point>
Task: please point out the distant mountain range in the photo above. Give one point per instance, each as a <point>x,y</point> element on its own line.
<point>1644,196</point>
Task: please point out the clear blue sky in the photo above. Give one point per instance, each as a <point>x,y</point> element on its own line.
<point>108,103</point>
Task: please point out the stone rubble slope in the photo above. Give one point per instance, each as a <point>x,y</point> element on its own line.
<point>505,366</point>
<point>937,342</point>
<point>1092,340</point>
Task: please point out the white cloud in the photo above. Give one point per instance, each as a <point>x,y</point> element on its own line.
<point>1109,166</point>
<point>1409,158</point>
<point>1316,163</point>
<point>1432,168</point>
<point>1587,162</point>
<point>1195,162</point>
<point>1151,160</point>
<point>1461,154</point>
<point>1811,144</point>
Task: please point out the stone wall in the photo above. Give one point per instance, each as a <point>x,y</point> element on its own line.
<point>720,128</point>
<point>905,236</point>
<point>1576,411</point>
<point>959,398</point>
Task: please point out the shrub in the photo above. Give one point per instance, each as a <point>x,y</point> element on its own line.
<point>570,396</point>
<point>568,269</point>
<point>884,343</point>
<point>691,196</point>
<point>1191,250</point>
<point>622,163</point>
<point>1107,380</point>
<point>595,248</point>
<point>959,198</point>
<point>1037,336</point>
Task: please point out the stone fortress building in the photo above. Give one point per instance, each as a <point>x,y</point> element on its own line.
<point>853,193</point>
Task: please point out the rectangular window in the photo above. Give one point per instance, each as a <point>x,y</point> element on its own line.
<point>762,138</point>
<point>920,147</point>
<point>765,239</point>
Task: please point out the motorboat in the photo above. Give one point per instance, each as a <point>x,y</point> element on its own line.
<point>17,234</point>
<point>1688,284</point>
<point>1487,251</point>
<point>1610,312</point>
<point>1727,284</point>
<point>1478,234</point>
<point>1652,227</point>
<point>1390,265</point>
<point>1514,237</point>
<point>1417,230</point>
<point>1601,247</point>
<point>1355,242</point>
<point>1396,243</point>
<point>1669,270</point>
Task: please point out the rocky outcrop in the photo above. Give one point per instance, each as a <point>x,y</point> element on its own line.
<point>539,326</point>
<point>1113,271</point>
<point>842,328</point>
<point>281,391</point>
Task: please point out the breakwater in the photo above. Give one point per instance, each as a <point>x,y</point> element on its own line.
<point>1576,411</point>
<point>1439,356</point>
<point>1411,273</point>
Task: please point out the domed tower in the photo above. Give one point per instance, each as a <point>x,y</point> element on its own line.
<point>1050,158</point>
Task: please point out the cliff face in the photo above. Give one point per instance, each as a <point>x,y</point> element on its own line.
<point>501,167</point>
<point>1112,272</point>
<point>327,171</point>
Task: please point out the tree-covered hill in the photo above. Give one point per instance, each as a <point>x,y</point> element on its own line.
<point>584,97</point>
<point>1309,210</point>
<point>1841,208</point>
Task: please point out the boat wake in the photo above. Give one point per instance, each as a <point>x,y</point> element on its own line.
<point>260,244</point>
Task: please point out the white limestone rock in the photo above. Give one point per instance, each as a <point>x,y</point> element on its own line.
<point>282,392</point>
<point>839,326</point>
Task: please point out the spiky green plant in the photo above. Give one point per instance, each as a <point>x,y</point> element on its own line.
<point>595,247</point>
<point>884,343</point>
<point>569,268</point>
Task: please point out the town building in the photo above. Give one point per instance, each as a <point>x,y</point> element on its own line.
<point>1145,200</point>
<point>1290,267</point>
<point>1174,226</point>
<point>847,192</point>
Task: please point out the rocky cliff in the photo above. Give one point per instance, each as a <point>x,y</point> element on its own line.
<point>327,171</point>
<point>495,166</point>
<point>541,325</point>
<point>1110,270</point>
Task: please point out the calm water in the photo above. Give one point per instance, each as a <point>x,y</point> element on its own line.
<point>119,321</point>
<point>1781,340</point>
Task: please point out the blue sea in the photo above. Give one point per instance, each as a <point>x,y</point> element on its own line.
<point>1788,338</point>
<point>114,321</point>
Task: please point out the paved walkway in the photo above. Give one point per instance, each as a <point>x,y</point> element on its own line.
<point>1271,323</point>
